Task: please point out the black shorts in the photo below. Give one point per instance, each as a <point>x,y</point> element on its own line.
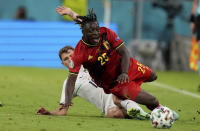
<point>197,29</point>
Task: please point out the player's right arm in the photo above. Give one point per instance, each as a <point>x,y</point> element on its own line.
<point>69,89</point>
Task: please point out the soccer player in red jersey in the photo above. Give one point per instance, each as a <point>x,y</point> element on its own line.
<point>109,63</point>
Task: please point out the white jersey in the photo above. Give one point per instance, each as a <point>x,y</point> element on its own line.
<point>87,89</point>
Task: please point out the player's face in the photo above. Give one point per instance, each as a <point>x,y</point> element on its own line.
<point>66,57</point>
<point>91,33</point>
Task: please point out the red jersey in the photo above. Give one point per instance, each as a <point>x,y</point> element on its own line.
<point>104,65</point>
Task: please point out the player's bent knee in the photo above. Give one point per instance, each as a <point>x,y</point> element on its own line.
<point>116,100</point>
<point>153,77</point>
<point>115,112</point>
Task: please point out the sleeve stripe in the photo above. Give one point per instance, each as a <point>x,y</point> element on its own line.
<point>119,46</point>
<point>73,73</point>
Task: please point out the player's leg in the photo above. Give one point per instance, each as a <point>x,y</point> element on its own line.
<point>132,109</point>
<point>133,91</point>
<point>115,112</point>
<point>150,101</point>
<point>141,73</point>
<point>147,99</point>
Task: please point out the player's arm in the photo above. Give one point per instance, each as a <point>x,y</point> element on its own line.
<point>62,10</point>
<point>125,62</point>
<point>69,89</point>
<point>61,111</point>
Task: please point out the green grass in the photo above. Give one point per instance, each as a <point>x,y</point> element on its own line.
<point>24,90</point>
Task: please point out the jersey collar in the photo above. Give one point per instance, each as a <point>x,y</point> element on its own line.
<point>87,43</point>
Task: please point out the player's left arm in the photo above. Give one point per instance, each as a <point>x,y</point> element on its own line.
<point>125,62</point>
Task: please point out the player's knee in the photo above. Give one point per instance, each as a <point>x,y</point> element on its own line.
<point>115,113</point>
<point>153,77</point>
<point>116,100</point>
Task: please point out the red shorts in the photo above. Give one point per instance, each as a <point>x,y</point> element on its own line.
<point>138,74</point>
<point>126,91</point>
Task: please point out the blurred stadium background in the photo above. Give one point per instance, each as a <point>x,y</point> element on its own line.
<point>161,26</point>
<point>157,33</point>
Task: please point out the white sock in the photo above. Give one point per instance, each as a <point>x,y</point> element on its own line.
<point>128,104</point>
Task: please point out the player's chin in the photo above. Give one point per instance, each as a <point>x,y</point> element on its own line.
<point>95,41</point>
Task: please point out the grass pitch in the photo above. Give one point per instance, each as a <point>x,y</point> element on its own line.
<point>24,90</point>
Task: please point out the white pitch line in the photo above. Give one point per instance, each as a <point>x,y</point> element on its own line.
<point>171,88</point>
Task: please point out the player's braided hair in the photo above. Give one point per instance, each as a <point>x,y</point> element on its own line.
<point>90,17</point>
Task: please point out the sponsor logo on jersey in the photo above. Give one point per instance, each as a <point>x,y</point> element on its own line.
<point>71,64</point>
<point>90,57</point>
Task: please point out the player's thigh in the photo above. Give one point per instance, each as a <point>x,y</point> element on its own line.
<point>146,98</point>
<point>140,72</point>
<point>127,90</point>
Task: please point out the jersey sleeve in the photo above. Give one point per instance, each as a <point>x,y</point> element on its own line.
<point>113,39</point>
<point>75,63</point>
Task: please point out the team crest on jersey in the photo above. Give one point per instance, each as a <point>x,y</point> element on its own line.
<point>71,64</point>
<point>90,57</point>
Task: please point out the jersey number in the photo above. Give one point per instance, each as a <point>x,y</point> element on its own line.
<point>141,67</point>
<point>103,59</point>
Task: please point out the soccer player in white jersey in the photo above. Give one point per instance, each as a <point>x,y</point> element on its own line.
<point>88,90</point>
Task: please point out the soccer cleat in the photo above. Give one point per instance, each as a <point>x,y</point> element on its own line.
<point>176,115</point>
<point>137,114</point>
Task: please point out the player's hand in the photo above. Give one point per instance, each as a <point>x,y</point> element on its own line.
<point>62,10</point>
<point>43,111</point>
<point>123,78</point>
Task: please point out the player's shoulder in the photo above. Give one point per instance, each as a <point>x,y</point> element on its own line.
<point>79,46</point>
<point>104,29</point>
